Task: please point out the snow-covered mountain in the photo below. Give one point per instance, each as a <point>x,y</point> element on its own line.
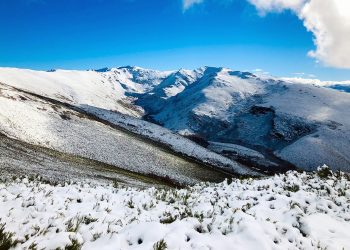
<point>304,124</point>
<point>258,121</point>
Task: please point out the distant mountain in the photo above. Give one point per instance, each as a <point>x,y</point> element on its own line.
<point>261,122</point>
<point>343,86</point>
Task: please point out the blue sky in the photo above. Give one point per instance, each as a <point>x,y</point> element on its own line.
<point>83,34</point>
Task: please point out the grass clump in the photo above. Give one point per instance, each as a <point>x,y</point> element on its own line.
<point>75,245</point>
<point>160,245</point>
<point>6,239</point>
<point>88,219</point>
<point>73,224</point>
<point>33,246</point>
<point>168,219</point>
<point>292,188</point>
<point>130,204</point>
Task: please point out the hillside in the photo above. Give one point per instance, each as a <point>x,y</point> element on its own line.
<point>50,124</point>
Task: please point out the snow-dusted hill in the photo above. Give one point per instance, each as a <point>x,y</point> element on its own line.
<point>288,122</point>
<point>44,123</point>
<point>85,127</point>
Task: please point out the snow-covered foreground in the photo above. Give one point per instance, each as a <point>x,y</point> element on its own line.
<point>289,211</point>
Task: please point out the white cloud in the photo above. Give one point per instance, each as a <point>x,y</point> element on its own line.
<point>277,5</point>
<point>328,20</point>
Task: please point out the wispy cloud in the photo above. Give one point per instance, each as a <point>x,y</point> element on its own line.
<point>302,74</point>
<point>260,72</point>
<point>188,3</point>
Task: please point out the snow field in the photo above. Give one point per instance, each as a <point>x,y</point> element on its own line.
<point>287,211</point>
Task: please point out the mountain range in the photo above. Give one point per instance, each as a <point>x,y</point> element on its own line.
<point>184,125</point>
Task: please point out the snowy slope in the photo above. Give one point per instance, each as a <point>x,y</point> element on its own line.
<point>215,95</point>
<point>329,110</point>
<point>40,122</point>
<point>169,139</point>
<point>19,158</point>
<point>75,87</point>
<point>289,211</point>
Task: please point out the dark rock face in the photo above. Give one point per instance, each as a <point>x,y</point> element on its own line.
<point>198,139</point>
<point>291,129</point>
<point>258,110</point>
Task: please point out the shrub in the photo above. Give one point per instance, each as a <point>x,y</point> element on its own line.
<point>324,172</point>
